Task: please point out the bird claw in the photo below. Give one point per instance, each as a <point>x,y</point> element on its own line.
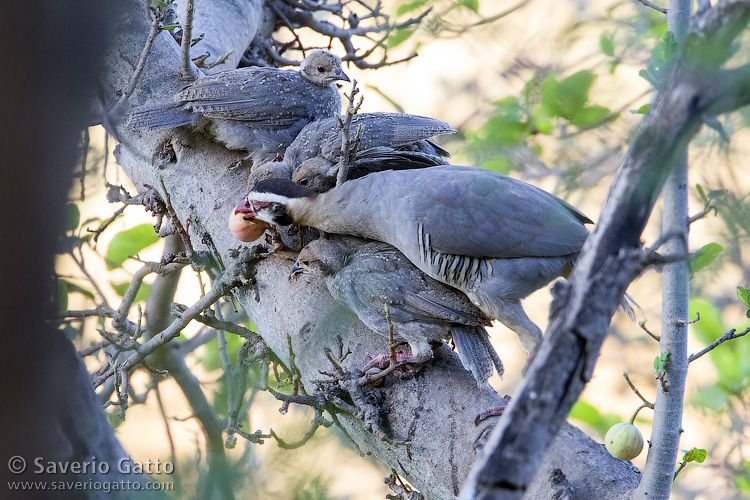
<point>383,361</point>
<point>492,412</point>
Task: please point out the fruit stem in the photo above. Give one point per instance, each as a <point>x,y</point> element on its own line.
<point>632,419</point>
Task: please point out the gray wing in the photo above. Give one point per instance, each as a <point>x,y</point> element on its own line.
<point>384,158</point>
<point>393,130</point>
<point>378,274</point>
<point>160,115</point>
<point>498,216</point>
<point>465,211</point>
<point>261,96</point>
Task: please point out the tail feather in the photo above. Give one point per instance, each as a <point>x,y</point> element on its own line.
<point>161,115</point>
<point>475,351</point>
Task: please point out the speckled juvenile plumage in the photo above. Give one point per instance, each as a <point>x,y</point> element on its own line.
<point>495,238</point>
<point>367,277</point>
<point>386,141</point>
<point>257,109</point>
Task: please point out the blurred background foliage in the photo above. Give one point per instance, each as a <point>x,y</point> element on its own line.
<point>546,91</point>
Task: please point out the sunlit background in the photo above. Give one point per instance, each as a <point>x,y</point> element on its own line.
<point>487,80</point>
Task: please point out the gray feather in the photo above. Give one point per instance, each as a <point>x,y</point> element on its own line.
<point>257,109</point>
<point>385,141</point>
<point>367,277</point>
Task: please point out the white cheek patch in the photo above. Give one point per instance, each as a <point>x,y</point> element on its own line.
<point>255,197</point>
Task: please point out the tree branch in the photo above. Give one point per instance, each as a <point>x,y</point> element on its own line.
<point>434,408</point>
<point>581,313</point>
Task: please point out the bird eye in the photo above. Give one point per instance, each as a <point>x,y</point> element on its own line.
<point>321,69</point>
<point>302,181</point>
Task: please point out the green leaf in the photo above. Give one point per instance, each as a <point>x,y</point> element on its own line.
<point>702,193</point>
<point>400,36</point>
<point>506,125</point>
<point>565,98</point>
<point>211,360</point>
<point>705,256</point>
<point>590,115</point>
<point>408,7</point>
<point>127,243</point>
<point>159,3</point>
<point>742,477</point>
<point>607,44</point>
<point>121,288</point>
<point>169,27</point>
<point>643,109</point>
<point>73,288</point>
<point>731,359</point>
<point>716,194</point>
<point>661,58</point>
<point>498,164</point>
<point>661,363</point>
<point>710,398</point>
<point>744,296</point>
<point>589,414</point>
<point>695,455</point>
<point>62,295</point>
<point>648,77</point>
<point>471,4</point>
<point>72,217</point>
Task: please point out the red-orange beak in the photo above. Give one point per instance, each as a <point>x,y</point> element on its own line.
<point>244,208</point>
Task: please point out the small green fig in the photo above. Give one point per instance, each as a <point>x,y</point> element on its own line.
<point>624,441</point>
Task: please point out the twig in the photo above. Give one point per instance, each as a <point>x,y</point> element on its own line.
<point>175,220</point>
<point>347,147</point>
<point>317,421</point>
<point>730,335</point>
<point>228,326</point>
<point>163,412</point>
<point>154,30</point>
<point>646,403</point>
<point>84,157</point>
<point>119,318</point>
<point>679,469</point>
<point>685,323</point>
<point>654,336</point>
<point>186,72</point>
<point>230,279</point>
<point>700,215</point>
<point>98,231</point>
<point>93,348</point>
<point>653,6</point>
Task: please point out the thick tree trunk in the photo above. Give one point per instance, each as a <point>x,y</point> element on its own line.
<point>434,409</point>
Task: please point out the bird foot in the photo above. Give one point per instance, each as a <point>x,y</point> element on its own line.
<point>383,361</point>
<point>492,412</point>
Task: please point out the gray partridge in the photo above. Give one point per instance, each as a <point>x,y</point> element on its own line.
<point>385,141</point>
<point>495,238</point>
<point>257,109</point>
<point>368,277</point>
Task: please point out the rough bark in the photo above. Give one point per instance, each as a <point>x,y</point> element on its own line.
<point>609,259</point>
<point>434,409</point>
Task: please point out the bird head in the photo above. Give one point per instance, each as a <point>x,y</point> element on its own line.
<point>269,202</point>
<point>326,256</point>
<point>317,173</point>
<point>322,68</point>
